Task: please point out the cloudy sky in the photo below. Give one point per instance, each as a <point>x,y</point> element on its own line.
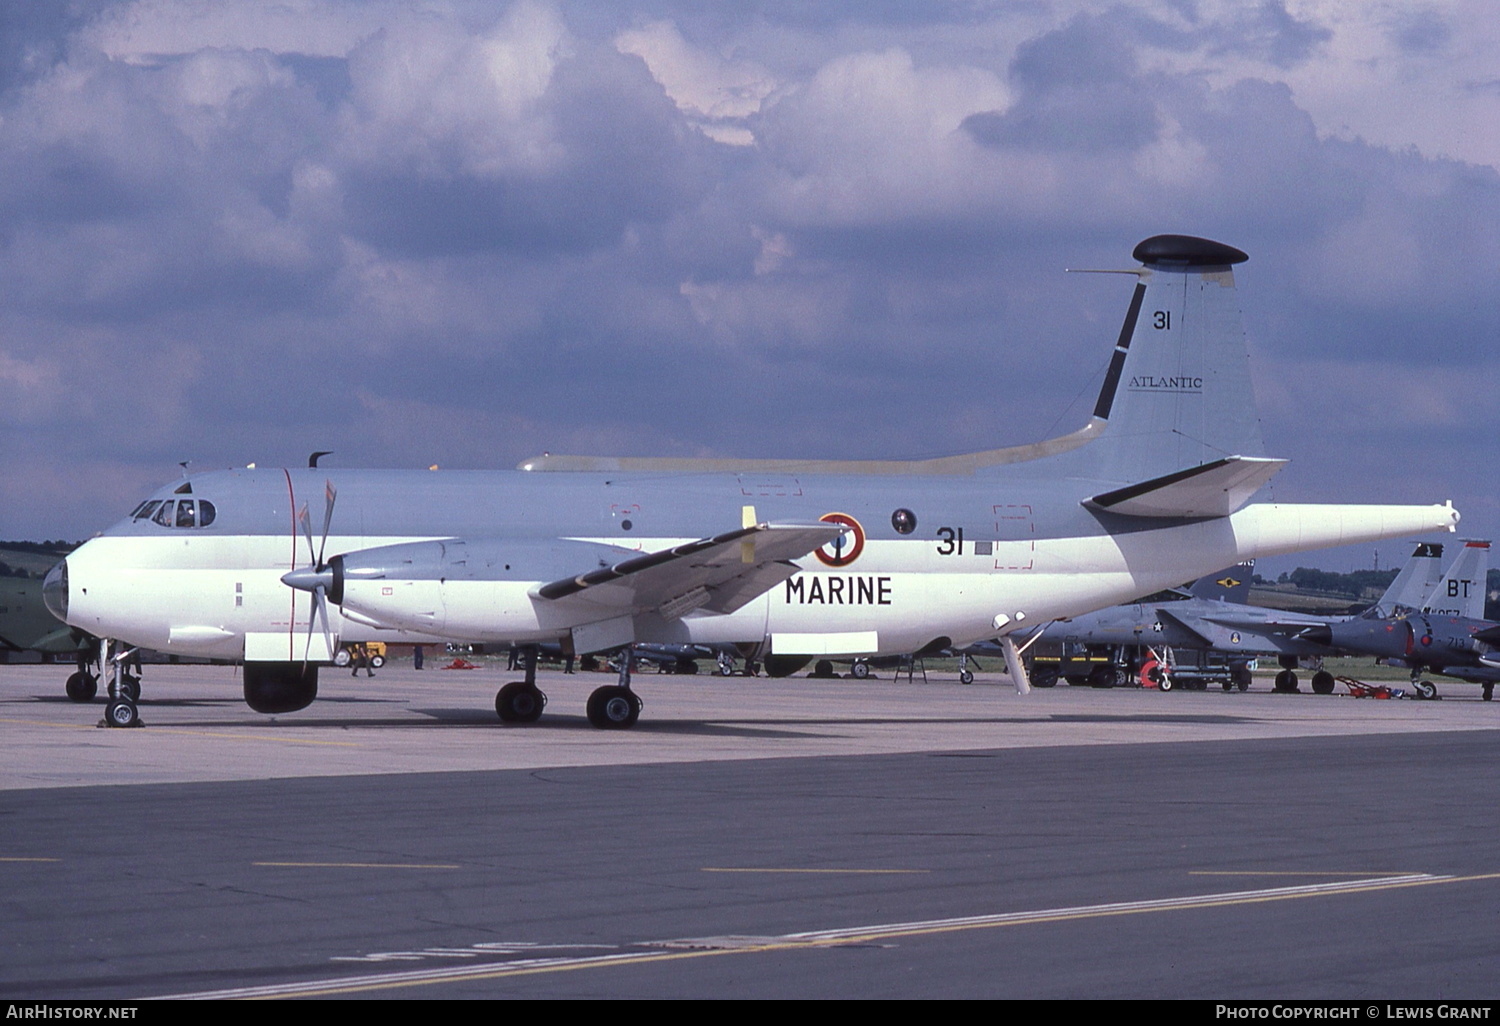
<point>464,233</point>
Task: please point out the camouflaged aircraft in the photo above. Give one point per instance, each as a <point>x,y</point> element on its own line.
<point>787,559</point>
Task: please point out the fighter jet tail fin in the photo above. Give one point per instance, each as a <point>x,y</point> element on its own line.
<point>1460,590</point>
<point>1228,585</point>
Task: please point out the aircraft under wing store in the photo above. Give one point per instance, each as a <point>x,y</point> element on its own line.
<point>917,555</point>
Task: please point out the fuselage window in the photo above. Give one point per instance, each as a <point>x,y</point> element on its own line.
<point>206,512</point>
<point>145,509</point>
<point>185,514</point>
<point>164,515</point>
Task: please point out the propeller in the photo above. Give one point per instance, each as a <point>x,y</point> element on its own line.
<point>316,577</point>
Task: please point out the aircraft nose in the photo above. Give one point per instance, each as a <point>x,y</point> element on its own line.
<point>55,591</point>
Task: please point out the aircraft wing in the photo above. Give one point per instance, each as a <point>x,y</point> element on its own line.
<point>1214,489</point>
<point>718,574</point>
<point>1190,624</point>
<point>1284,623</point>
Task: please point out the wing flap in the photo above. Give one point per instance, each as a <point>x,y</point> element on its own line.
<point>1214,489</point>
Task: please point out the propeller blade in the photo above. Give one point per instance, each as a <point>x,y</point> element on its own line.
<point>330,496</point>
<point>306,521</point>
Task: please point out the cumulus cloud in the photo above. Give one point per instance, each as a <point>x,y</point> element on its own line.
<point>461,233</point>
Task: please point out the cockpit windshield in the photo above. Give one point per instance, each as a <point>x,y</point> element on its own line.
<point>177,512</point>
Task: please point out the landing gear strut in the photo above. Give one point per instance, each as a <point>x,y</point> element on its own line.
<point>521,701</point>
<point>124,687</point>
<point>616,707</point>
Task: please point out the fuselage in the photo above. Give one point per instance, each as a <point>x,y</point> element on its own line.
<point>927,559</point>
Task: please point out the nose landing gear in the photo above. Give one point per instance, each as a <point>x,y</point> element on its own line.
<point>124,686</point>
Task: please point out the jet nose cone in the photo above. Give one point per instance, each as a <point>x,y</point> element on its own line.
<point>55,591</point>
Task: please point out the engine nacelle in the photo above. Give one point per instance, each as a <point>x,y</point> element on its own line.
<point>280,687</point>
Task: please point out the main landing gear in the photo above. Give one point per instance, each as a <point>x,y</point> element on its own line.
<point>613,707</point>
<point>616,707</point>
<point>521,701</point>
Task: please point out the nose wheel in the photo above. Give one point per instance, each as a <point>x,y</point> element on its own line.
<point>124,686</point>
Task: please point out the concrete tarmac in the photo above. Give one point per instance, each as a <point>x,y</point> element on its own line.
<point>749,838</point>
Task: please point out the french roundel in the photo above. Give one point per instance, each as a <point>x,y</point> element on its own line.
<point>846,548</point>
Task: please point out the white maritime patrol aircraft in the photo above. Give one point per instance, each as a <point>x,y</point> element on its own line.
<point>789,559</point>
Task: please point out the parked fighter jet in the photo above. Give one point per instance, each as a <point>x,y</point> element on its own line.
<point>1445,635</point>
<point>794,559</point>
<point>1215,618</point>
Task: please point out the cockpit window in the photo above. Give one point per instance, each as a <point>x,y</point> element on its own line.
<point>178,513</point>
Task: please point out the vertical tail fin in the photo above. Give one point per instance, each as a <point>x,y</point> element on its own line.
<point>1460,589</point>
<point>1416,580</point>
<point>1178,392</point>
<point>1228,585</point>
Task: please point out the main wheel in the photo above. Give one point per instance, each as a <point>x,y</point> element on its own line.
<point>130,688</point>
<point>122,714</point>
<point>1286,681</point>
<point>82,687</point>
<point>1322,683</point>
<point>613,708</point>
<point>341,657</point>
<point>517,703</point>
<point>860,670</point>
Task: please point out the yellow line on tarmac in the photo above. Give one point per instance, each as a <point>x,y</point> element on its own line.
<point>360,865</point>
<point>795,942</point>
<point>720,869</point>
<point>17,858</point>
<point>1290,872</point>
<point>193,733</point>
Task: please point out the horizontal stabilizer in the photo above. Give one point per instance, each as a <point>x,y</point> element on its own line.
<point>717,575</point>
<point>1214,489</point>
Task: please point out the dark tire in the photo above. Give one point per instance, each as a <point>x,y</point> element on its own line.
<point>376,662</point>
<point>130,688</point>
<point>1425,689</point>
<point>517,703</point>
<point>122,714</point>
<point>966,676</point>
<point>1044,679</point>
<point>614,708</point>
<point>861,671</point>
<point>1102,677</point>
<point>1286,682</point>
<point>1240,676</point>
<point>341,657</point>
<point>823,668</point>
<point>82,687</point>
<point>1166,683</point>
<point>1322,683</point>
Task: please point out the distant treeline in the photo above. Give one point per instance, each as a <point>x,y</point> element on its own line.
<point>1330,582</point>
<point>42,548</point>
<point>55,549</point>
